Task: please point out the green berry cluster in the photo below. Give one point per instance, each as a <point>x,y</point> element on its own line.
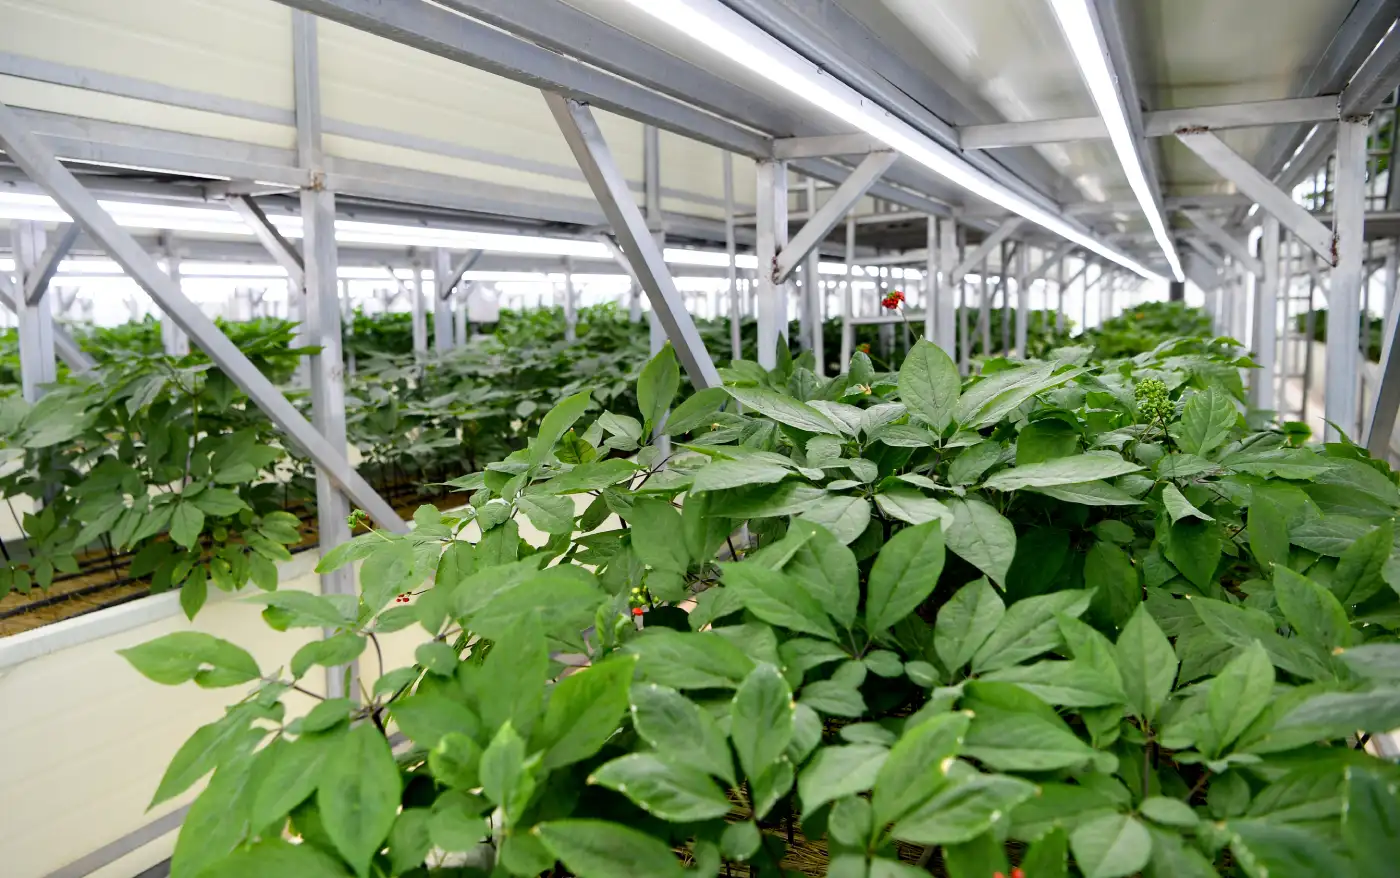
<point>1153,399</point>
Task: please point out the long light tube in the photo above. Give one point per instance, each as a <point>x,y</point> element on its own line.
<point>1086,42</point>
<point>730,34</point>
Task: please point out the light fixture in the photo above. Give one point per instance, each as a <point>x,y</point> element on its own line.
<point>730,34</point>
<point>1086,42</point>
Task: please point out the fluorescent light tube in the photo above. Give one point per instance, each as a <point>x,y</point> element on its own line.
<point>730,34</point>
<point>1086,42</point>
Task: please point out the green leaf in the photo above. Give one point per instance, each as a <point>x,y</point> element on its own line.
<point>211,745</point>
<point>982,537</point>
<point>1028,629</point>
<point>275,858</point>
<point>1238,694</point>
<point>1330,535</point>
<point>1045,440</point>
<point>965,622</point>
<point>584,711</point>
<point>455,761</point>
<point>929,383</point>
<point>836,772</point>
<point>1339,714</point>
<point>511,684</point>
<point>1360,570</point>
<point>338,649</point>
<point>1006,738</point>
<point>303,609</point>
<point>719,475</point>
<point>828,570</point>
<point>505,777</point>
<point>656,528</point>
<point>657,386</point>
<point>1178,507</point>
<point>1377,661</point>
<point>1110,573</point>
<point>1194,548</point>
<point>358,795</point>
<point>409,842</point>
<point>219,502</point>
<point>665,788</point>
<point>287,773</point>
<point>1090,494</point>
<point>739,841</point>
<point>778,599</point>
<point>1261,847</point>
<point>696,411</point>
<point>1062,471</point>
<point>547,512</point>
<point>784,409</point>
<point>1147,664</point>
<point>1268,531</point>
<point>386,572</point>
<point>429,715</point>
<point>1169,812</point>
<point>600,849</point>
<point>1111,846</point>
<point>1067,684</point>
<point>911,505</point>
<point>963,811</point>
<point>556,424</point>
<point>846,517</point>
<point>904,575</point>
<point>593,476</point>
<point>1371,822</point>
<point>690,660</point>
<point>1046,857</point>
<point>761,719</point>
<point>191,655</point>
<point>1311,610</point>
<point>186,524</point>
<point>454,826</point>
<point>1173,857</point>
<point>917,766</point>
<point>679,729</point>
<point>1206,422</point>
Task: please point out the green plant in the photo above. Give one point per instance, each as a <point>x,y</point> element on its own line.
<point>1035,616</point>
<point>1144,327</point>
<point>1372,331</point>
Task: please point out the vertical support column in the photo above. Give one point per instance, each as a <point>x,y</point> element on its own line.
<point>946,304</point>
<point>736,340</point>
<point>571,302</point>
<point>964,321</point>
<point>984,313</point>
<point>321,320</point>
<point>1084,299</point>
<point>1262,380</point>
<point>37,363</point>
<point>1008,251</point>
<point>347,317</point>
<point>1344,296</point>
<point>772,231</point>
<point>1023,299</point>
<point>656,224</point>
<point>932,287</point>
<point>442,302</point>
<point>419,310</point>
<point>848,330</point>
<point>459,314</point>
<point>1060,296</point>
<point>173,339</point>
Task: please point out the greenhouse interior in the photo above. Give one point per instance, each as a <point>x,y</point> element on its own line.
<point>665,438</point>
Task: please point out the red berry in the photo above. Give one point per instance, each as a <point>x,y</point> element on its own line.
<point>1017,873</point>
<point>637,611</point>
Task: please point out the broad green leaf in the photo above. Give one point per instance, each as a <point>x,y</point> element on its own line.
<point>218,501</point>
<point>338,649</point>
<point>1062,471</point>
<point>600,849</point>
<point>564,597</point>
<point>1028,629</point>
<point>657,386</point>
<point>761,719</point>
<point>666,788</point>
<point>982,537</point>
<point>699,660</point>
<point>771,786</point>
<point>1178,507</point>
<point>1045,440</point>
<point>583,712</point>
<point>511,684</point>
<point>719,475</point>
<point>1168,812</point>
<point>1194,548</point>
<point>965,622</point>
<point>778,599</point>
<point>696,411</point>
<point>211,745</point>
<point>846,517</point>
<point>1110,573</point>
<point>275,858</point>
<point>963,811</point>
<point>656,528</point>
<point>1046,858</point>
<point>828,570</point>
<point>191,655</point>
<point>1268,531</point>
<point>593,476</point>
<point>836,772</point>
<point>1174,857</point>
<point>304,610</point>
<point>1330,535</point>
<point>388,571</point>
<point>929,383</point>
<point>358,795</point>
<point>429,715</point>
<point>784,409</point>
<point>1311,610</point>
<point>1238,694</point>
<point>556,424</point>
<point>218,821</point>
<point>506,778</point>
<point>739,841</point>
<point>975,460</point>
<point>904,575</point>
<point>1262,846</point>
<point>186,524</point>
<point>1006,739</point>
<point>1360,570</point>
<point>913,506</point>
<point>548,513</point>
<point>1206,421</point>
<point>765,501</point>
<point>679,729</point>
<point>1066,684</point>
<point>1112,846</point>
<point>1339,714</point>
<point>917,766</point>
<point>1094,493</point>
<point>454,824</point>
<point>1376,661</point>
<point>1147,664</point>
<point>286,773</point>
<point>1371,821</point>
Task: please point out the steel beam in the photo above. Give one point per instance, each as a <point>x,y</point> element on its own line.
<point>1344,294</point>
<point>986,248</point>
<point>1228,242</point>
<point>1213,151</point>
<point>454,277</point>
<point>445,33</point>
<point>44,169</point>
<point>37,280</point>
<point>442,303</point>
<point>570,302</point>
<point>1050,261</point>
<point>595,159</point>
<point>173,341</point>
<point>947,306</point>
<point>1023,300</point>
<point>37,365</point>
<point>1386,401</point>
<point>1376,80</point>
<point>825,220</point>
<point>1205,251</point>
<point>931,280</point>
<point>825,146</point>
<point>1263,379</point>
<point>418,310</point>
<point>731,262</point>
<point>282,251</point>
<point>771,296</point>
<point>848,296</point>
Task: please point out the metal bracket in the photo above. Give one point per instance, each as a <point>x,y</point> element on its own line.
<point>466,264</point>
<point>985,249</point>
<point>37,283</point>
<point>831,214</point>
<point>281,250</point>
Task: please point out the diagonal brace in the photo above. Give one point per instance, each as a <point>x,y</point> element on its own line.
<point>831,214</point>
<point>1228,242</point>
<point>41,166</point>
<point>614,195</point>
<point>1205,250</point>
<point>986,248</point>
<point>444,289</point>
<point>63,344</point>
<point>282,250</point>
<point>37,283</point>
<point>1048,263</point>
<point>1230,165</point>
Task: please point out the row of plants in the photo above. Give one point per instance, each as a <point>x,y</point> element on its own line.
<point>1068,616</point>
<point>1144,327</point>
<point>1372,331</point>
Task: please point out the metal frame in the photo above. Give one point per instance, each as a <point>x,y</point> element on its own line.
<point>443,340</point>
<point>1227,242</point>
<point>37,364</point>
<point>174,342</point>
<point>984,250</point>
<point>42,272</point>
<point>825,219</point>
<point>771,295</point>
<point>1264,379</point>
<point>283,251</point>
<point>1344,294</point>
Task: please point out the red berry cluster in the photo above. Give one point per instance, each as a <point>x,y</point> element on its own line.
<point>637,611</point>
<point>402,599</point>
<point>892,301</point>
<point>863,348</point>
<point>1015,873</point>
